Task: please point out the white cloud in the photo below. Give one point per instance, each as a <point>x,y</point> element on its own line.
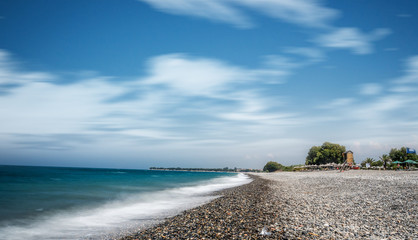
<point>370,89</point>
<point>45,108</point>
<point>352,38</point>
<point>281,62</point>
<point>339,103</point>
<point>10,74</point>
<point>304,12</point>
<point>192,76</point>
<point>404,89</point>
<point>380,109</point>
<point>201,76</point>
<point>411,71</point>
<point>182,98</point>
<point>384,109</point>
<point>373,121</point>
<point>151,134</point>
<point>199,103</point>
<point>313,54</point>
<point>214,10</point>
<point>231,98</point>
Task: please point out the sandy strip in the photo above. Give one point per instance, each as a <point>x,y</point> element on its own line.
<point>308,205</point>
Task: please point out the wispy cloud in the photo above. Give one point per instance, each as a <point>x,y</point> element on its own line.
<point>213,10</point>
<point>10,75</point>
<point>53,142</point>
<point>376,119</point>
<point>200,76</point>
<point>182,98</point>
<point>312,54</point>
<point>404,15</point>
<point>384,108</point>
<point>408,83</point>
<point>339,103</point>
<point>411,72</point>
<point>306,13</point>
<point>302,12</point>
<point>352,38</point>
<point>216,106</point>
<point>370,89</point>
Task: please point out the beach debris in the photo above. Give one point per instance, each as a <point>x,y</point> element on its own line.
<point>264,232</point>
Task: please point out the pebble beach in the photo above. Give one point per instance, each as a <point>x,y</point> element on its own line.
<point>355,204</point>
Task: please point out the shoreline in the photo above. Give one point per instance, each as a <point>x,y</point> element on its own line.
<point>238,214</point>
<point>303,205</point>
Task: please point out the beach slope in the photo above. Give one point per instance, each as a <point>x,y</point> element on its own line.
<point>304,205</point>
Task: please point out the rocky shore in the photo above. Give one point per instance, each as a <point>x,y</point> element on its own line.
<point>241,213</point>
<point>347,205</point>
<point>308,205</point>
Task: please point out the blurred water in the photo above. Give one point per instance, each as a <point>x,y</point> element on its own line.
<point>74,203</point>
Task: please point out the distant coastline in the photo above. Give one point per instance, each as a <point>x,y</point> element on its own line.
<point>226,169</point>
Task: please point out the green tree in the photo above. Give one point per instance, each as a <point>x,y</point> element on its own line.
<point>378,163</point>
<point>398,154</point>
<point>327,153</point>
<point>313,155</point>
<point>272,166</point>
<point>367,160</point>
<point>412,156</point>
<point>401,155</point>
<point>386,160</point>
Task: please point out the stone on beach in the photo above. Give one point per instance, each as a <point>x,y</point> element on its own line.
<point>347,205</point>
<point>304,205</point>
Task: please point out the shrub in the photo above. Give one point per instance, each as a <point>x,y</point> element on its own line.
<point>272,167</point>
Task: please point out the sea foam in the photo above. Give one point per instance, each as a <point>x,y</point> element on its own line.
<point>120,217</point>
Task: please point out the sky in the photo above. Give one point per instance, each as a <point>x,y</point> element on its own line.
<point>197,83</point>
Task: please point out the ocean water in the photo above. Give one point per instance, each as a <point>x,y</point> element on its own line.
<point>83,203</point>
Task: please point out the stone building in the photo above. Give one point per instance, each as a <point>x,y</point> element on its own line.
<point>348,156</point>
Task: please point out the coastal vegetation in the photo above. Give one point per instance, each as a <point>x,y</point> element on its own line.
<point>327,153</point>
<point>402,155</point>
<point>372,162</point>
<point>225,169</point>
<point>386,160</point>
<point>274,166</point>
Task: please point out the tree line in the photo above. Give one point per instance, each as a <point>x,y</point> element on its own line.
<point>317,155</point>
<point>333,153</point>
<point>225,169</point>
<point>395,154</point>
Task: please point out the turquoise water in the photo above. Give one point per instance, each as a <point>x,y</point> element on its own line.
<point>78,203</point>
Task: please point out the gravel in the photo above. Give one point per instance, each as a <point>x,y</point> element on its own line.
<point>347,205</point>
<point>304,205</point>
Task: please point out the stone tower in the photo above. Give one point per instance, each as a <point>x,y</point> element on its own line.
<point>348,156</point>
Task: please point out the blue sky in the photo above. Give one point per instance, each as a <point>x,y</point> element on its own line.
<point>196,83</point>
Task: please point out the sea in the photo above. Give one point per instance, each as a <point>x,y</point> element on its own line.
<point>93,203</point>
